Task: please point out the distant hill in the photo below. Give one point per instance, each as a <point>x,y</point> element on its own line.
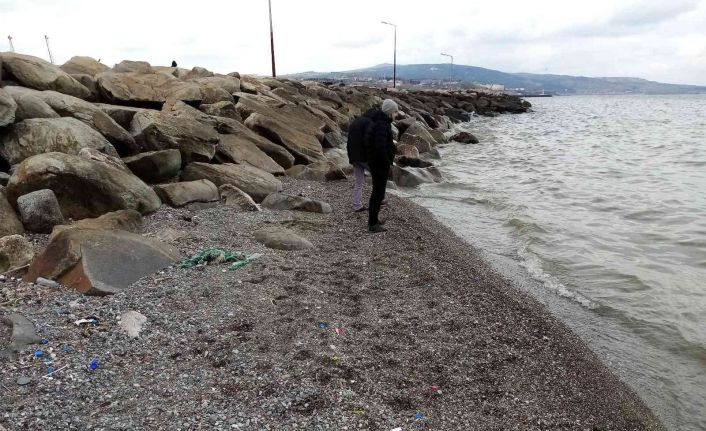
<point>553,84</point>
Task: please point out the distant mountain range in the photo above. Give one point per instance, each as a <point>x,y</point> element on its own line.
<point>552,84</point>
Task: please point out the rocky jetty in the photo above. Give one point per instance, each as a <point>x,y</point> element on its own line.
<point>102,139</point>
<point>209,161</point>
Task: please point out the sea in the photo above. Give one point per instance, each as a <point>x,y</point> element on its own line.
<point>596,206</point>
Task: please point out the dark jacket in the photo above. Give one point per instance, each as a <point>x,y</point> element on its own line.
<point>370,140</point>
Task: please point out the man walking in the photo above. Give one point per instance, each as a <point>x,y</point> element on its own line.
<point>370,141</point>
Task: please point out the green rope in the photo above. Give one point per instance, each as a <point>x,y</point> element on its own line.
<point>212,254</point>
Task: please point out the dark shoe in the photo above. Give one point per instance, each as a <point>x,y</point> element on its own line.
<point>376,228</point>
<point>361,209</point>
<point>384,202</point>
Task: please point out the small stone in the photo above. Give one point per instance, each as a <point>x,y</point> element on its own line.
<point>47,283</point>
<point>23,381</point>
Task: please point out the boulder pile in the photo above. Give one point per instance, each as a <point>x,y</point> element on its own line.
<point>82,140</point>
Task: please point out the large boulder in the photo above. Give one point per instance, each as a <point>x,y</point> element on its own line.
<point>145,90</point>
<point>85,187</point>
<point>338,159</point>
<point>10,223</point>
<point>29,105</point>
<point>407,150</point>
<point>412,177</point>
<point>239,149</point>
<point>120,114</point>
<point>89,82</point>
<point>465,138</point>
<point>132,66</point>
<point>88,113</point>
<point>15,252</point>
<point>252,85</point>
<point>198,72</point>
<point>36,73</point>
<point>79,65</point>
<point>255,182</point>
<point>230,84</point>
<point>155,166</point>
<point>40,211</point>
<point>234,197</point>
<point>221,109</point>
<point>220,124</point>
<point>305,148</point>
<point>180,194</point>
<point>41,135</point>
<point>421,144</point>
<point>319,171</point>
<point>129,220</point>
<point>8,108</point>
<point>280,238</point>
<point>413,162</point>
<point>276,152</point>
<point>291,126</point>
<point>282,202</point>
<point>212,93</point>
<point>157,130</point>
<point>100,262</point>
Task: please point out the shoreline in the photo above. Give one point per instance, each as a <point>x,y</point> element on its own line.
<point>246,346</point>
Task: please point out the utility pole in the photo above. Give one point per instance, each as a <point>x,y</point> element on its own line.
<point>394,63</point>
<point>51,57</point>
<point>272,42</point>
<point>452,63</point>
<point>12,46</point>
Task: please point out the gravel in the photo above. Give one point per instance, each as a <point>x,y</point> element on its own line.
<point>419,333</point>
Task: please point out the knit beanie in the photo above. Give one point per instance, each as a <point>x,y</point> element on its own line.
<point>389,107</point>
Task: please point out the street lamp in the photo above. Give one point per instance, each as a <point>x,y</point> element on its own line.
<point>394,64</point>
<point>272,41</point>
<point>51,57</point>
<point>452,63</point>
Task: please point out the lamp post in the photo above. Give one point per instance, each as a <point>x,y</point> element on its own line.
<point>452,63</point>
<point>51,57</point>
<point>12,46</point>
<point>394,64</point>
<point>272,41</point>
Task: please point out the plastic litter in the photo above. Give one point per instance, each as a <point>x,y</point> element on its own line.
<point>396,429</point>
<point>38,354</point>
<point>45,341</point>
<point>216,256</point>
<point>93,365</point>
<point>419,416</point>
<point>435,389</point>
<point>339,331</point>
<point>65,349</point>
<point>91,320</point>
<point>52,371</point>
<point>323,325</point>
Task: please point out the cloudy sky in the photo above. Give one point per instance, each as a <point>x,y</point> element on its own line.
<point>662,40</point>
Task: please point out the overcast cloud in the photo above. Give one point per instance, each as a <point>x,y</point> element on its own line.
<point>662,40</point>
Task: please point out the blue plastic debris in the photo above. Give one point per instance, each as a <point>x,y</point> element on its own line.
<point>323,325</point>
<point>38,354</point>
<point>418,416</point>
<point>45,341</point>
<point>93,365</point>
<point>66,349</point>
<point>50,371</point>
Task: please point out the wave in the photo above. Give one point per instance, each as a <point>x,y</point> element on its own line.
<point>533,265</point>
